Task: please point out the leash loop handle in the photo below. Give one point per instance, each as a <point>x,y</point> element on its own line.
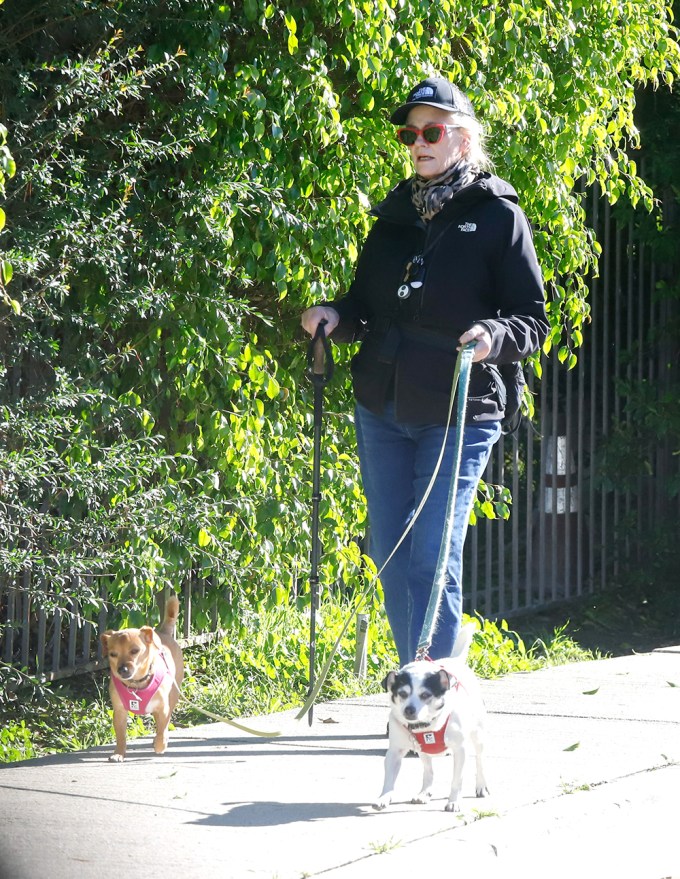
<point>320,357</point>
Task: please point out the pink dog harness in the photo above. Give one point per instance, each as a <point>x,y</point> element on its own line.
<point>136,700</point>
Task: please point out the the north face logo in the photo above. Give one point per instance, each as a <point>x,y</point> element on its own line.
<point>468,227</point>
<point>425,92</point>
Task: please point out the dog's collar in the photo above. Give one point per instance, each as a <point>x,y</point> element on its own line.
<point>141,683</point>
<point>412,727</point>
<point>438,722</point>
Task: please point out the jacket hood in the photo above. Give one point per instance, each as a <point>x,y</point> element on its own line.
<point>397,206</point>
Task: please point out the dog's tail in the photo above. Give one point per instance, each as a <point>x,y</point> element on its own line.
<point>167,627</point>
<point>463,641</point>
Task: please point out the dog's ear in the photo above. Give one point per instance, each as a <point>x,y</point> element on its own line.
<point>104,640</point>
<point>389,680</point>
<point>149,637</point>
<point>445,679</point>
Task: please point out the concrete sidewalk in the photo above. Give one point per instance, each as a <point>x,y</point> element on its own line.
<point>583,762</point>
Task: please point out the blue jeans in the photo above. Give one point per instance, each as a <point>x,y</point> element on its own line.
<point>397,462</point>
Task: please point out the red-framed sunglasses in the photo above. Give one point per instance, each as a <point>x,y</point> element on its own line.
<point>431,133</point>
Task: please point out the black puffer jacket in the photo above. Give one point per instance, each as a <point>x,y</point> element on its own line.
<point>479,267</point>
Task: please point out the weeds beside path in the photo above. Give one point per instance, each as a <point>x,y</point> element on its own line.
<point>259,667</point>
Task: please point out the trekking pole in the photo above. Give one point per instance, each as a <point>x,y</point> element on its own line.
<point>320,371</point>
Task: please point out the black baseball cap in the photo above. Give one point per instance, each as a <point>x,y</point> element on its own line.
<point>437,92</point>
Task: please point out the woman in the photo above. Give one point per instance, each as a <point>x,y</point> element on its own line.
<point>449,261</point>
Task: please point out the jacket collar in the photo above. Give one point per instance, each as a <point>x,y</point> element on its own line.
<point>397,206</point>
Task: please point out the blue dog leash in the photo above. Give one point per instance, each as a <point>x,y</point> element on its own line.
<point>461,383</point>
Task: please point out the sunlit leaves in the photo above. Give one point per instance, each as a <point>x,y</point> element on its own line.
<point>174,211</point>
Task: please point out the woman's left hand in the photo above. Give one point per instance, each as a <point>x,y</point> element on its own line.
<point>482,337</point>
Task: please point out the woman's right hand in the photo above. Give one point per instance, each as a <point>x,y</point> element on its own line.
<point>312,317</point>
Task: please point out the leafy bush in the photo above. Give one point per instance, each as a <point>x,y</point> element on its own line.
<point>189,176</point>
<point>16,743</point>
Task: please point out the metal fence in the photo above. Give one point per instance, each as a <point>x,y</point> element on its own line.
<point>568,533</point>
<point>562,539</point>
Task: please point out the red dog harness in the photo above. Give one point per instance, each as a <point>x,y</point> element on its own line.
<point>432,741</point>
<point>136,700</point>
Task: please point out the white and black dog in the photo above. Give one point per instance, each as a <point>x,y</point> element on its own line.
<point>437,708</point>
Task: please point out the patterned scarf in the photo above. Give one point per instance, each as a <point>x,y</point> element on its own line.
<point>429,195</point>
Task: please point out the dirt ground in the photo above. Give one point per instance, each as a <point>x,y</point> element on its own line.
<point>613,623</point>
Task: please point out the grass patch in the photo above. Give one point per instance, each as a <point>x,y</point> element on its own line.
<point>497,650</point>
<point>259,667</point>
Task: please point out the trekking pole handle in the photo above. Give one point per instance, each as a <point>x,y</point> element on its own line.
<point>320,356</point>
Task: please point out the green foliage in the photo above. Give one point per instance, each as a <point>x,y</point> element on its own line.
<point>644,442</point>
<point>491,502</point>
<point>15,743</point>
<point>190,176</point>
<point>497,650</point>
<point>7,169</point>
<point>262,666</point>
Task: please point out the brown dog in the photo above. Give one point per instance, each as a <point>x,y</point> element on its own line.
<point>146,671</point>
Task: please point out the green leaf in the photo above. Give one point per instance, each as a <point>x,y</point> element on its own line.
<point>6,271</point>
<point>204,539</point>
<point>591,692</point>
<point>272,389</point>
<point>573,747</point>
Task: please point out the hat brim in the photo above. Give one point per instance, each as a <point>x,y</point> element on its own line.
<point>401,113</point>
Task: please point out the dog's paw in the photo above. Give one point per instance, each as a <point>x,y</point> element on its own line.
<point>116,758</point>
<point>160,744</point>
<point>382,803</point>
<point>423,797</point>
<point>452,806</point>
<point>482,791</point>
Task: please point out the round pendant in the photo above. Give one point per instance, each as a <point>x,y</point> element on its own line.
<point>404,291</point>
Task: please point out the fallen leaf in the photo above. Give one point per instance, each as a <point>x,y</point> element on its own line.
<point>329,720</point>
<point>591,692</point>
<point>573,747</point>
